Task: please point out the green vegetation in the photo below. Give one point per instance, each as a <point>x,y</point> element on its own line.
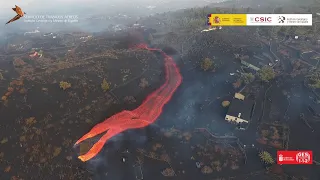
<point>1,76</point>
<point>105,85</point>
<point>314,80</point>
<point>247,78</point>
<point>64,85</point>
<point>266,157</point>
<point>207,64</point>
<point>267,73</point>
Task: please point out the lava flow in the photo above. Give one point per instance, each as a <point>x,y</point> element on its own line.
<point>146,114</point>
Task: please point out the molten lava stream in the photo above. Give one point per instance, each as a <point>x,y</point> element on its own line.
<point>146,114</point>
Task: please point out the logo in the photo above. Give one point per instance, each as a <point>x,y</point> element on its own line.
<point>227,19</point>
<point>280,158</point>
<point>261,19</point>
<point>281,19</point>
<point>294,157</point>
<point>303,157</point>
<point>216,20</point>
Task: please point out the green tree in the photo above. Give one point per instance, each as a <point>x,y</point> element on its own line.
<point>64,85</point>
<point>266,73</point>
<point>266,157</point>
<point>207,64</point>
<point>314,80</point>
<point>247,78</point>
<point>105,85</point>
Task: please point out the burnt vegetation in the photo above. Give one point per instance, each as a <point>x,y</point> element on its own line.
<point>65,95</point>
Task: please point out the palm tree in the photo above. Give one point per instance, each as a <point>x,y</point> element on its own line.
<point>266,157</point>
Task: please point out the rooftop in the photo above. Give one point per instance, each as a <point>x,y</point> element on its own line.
<point>241,107</point>
<point>258,61</point>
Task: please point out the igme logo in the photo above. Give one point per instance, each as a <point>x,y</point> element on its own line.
<point>281,19</point>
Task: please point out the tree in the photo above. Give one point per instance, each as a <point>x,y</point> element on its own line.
<point>207,64</point>
<point>316,84</point>
<point>105,85</point>
<point>64,85</point>
<point>247,78</point>
<point>266,73</point>
<point>314,80</point>
<point>266,157</point>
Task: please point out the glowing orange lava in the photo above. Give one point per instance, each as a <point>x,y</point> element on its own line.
<point>146,114</point>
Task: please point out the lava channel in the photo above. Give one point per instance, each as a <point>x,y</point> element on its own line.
<point>146,114</point>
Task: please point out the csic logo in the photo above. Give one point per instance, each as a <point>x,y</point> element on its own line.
<point>261,19</point>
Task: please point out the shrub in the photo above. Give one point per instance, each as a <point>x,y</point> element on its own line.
<point>247,78</point>
<point>64,85</point>
<point>207,64</point>
<point>314,80</point>
<point>266,73</point>
<point>266,157</point>
<point>105,85</point>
